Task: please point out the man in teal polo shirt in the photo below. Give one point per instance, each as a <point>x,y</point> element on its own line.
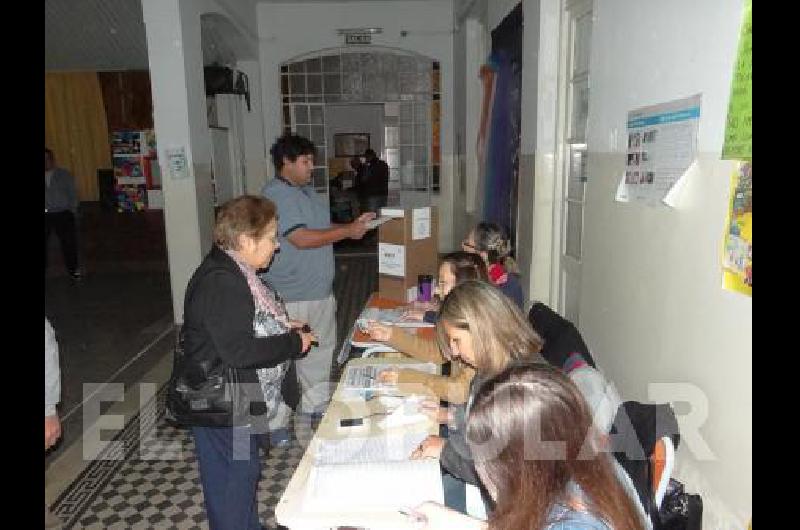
<point>302,272</point>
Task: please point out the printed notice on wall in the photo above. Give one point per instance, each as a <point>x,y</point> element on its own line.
<point>739,125</point>
<point>737,254</point>
<point>662,144</point>
<point>421,223</point>
<point>391,259</point>
<point>176,161</point>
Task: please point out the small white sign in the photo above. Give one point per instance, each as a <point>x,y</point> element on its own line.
<point>391,259</point>
<point>155,199</point>
<point>411,293</point>
<point>421,223</point>
<point>392,212</point>
<point>176,161</point>
<point>358,38</point>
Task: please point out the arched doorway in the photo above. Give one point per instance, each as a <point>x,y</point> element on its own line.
<point>399,90</point>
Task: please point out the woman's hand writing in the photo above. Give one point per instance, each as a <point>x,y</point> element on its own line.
<point>436,413</point>
<point>379,332</point>
<point>431,447</point>
<point>388,377</point>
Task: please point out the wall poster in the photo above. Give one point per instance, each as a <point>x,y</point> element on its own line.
<point>661,145</point>
<point>739,125</point>
<point>737,257</point>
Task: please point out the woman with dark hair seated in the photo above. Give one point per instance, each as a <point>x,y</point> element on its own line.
<point>454,269</point>
<point>539,458</point>
<point>492,243</point>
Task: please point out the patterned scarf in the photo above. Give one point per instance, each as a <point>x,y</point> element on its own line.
<point>270,318</point>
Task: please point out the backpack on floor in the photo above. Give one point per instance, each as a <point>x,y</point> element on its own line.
<point>637,429</point>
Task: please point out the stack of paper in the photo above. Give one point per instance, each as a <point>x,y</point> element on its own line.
<point>372,474</point>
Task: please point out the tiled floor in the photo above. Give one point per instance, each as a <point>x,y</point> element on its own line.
<point>155,483</point>
<point>116,326</point>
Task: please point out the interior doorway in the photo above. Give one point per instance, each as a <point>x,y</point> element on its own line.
<point>400,90</point>
<point>350,129</point>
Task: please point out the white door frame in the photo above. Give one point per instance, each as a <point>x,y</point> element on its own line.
<point>565,266</point>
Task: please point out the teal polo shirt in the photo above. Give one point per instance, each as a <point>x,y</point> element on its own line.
<point>299,274</point>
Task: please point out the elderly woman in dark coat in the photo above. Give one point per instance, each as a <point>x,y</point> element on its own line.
<point>231,316</point>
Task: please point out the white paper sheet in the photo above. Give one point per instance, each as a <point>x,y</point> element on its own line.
<point>374,486</point>
<point>421,223</point>
<point>661,145</point>
<point>176,161</point>
<point>375,223</point>
<point>393,212</point>
<point>366,449</point>
<point>672,198</point>
<point>622,191</point>
<point>391,259</point>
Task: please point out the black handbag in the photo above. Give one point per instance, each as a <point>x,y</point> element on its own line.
<point>679,510</point>
<point>203,393</point>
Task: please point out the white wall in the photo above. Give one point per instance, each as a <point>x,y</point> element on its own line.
<point>527,159</point>
<point>289,30</point>
<point>175,57</point>
<point>652,306</point>
<point>460,110</point>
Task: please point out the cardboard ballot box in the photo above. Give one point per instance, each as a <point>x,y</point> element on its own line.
<point>408,245</point>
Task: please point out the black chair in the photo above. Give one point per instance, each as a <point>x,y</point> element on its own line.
<point>561,337</point>
<point>639,438</point>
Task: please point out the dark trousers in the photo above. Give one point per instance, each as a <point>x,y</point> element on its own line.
<point>63,223</point>
<point>229,472</point>
<point>455,492</point>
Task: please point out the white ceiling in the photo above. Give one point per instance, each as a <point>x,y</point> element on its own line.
<point>94,35</point>
<point>108,35</point>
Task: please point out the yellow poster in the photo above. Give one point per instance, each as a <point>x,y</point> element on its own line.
<point>737,257</point>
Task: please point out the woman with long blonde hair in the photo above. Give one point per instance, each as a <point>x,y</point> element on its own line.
<point>483,328</point>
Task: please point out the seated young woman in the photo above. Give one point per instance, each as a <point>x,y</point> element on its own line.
<point>557,479</point>
<point>491,243</point>
<point>483,328</point>
<point>454,269</point>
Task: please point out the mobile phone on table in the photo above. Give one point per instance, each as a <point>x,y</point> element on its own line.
<point>351,422</point>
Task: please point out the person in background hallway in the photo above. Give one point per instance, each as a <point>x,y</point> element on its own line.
<point>60,212</point>
<point>492,243</point>
<point>533,488</point>
<point>375,182</point>
<point>52,395</point>
<point>304,268</point>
